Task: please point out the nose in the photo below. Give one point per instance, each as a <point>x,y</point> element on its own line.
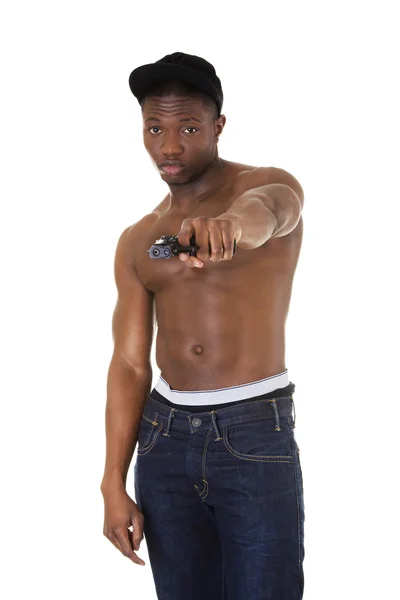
<point>171,145</point>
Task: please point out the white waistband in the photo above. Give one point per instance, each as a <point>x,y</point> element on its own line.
<point>222,395</point>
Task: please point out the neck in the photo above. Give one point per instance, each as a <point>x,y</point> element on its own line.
<point>186,195</point>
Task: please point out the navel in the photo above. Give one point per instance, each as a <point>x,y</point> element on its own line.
<point>197,349</point>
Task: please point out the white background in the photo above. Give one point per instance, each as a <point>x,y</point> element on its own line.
<point>309,87</point>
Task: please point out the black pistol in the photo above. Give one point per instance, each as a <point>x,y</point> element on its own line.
<point>168,246</point>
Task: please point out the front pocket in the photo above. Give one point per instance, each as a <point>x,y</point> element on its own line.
<point>148,432</point>
<point>259,441</point>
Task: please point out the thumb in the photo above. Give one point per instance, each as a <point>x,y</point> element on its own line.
<point>135,539</point>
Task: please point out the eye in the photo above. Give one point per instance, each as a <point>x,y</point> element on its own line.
<point>156,127</point>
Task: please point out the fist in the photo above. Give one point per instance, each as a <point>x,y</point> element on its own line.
<point>214,237</point>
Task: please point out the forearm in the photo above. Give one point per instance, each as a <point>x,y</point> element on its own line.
<point>264,212</point>
<point>127,391</point>
<point>256,221</point>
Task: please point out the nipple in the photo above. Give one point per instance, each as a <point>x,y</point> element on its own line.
<point>198,349</point>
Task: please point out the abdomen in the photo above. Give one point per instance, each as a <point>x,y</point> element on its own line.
<point>221,334</point>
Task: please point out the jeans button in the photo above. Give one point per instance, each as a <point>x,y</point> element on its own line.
<point>196,422</point>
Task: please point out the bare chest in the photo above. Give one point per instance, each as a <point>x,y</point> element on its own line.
<point>265,266</point>
<point>262,266</point>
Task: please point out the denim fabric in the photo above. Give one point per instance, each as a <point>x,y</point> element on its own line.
<point>221,492</point>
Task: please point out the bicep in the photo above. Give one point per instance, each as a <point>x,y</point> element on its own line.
<point>133,317</point>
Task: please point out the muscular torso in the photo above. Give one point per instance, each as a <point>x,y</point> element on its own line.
<point>223,324</point>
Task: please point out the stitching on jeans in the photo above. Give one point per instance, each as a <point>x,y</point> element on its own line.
<point>150,420</point>
<point>293,444</point>
<point>234,421</point>
<point>255,458</point>
<point>146,449</point>
<point>205,489</point>
<point>277,426</point>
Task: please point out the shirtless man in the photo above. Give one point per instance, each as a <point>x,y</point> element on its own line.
<point>218,482</point>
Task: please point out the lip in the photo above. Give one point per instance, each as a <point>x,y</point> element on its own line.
<point>172,169</point>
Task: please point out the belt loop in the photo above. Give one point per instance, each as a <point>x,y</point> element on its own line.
<point>214,420</point>
<point>277,427</point>
<point>294,411</point>
<point>171,416</point>
<point>190,424</point>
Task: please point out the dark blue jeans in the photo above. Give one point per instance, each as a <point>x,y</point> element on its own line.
<point>221,492</point>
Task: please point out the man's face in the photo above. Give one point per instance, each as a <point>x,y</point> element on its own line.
<point>180,130</point>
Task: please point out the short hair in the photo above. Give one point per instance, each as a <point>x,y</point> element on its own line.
<point>179,88</point>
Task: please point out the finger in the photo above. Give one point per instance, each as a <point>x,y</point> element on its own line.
<point>228,242</point>
<point>135,542</point>
<point>136,534</point>
<point>190,261</point>
<point>193,261</point>
<point>123,540</point>
<point>202,237</point>
<point>186,232</point>
<point>216,243</point>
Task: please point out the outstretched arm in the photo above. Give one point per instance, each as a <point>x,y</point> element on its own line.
<point>271,210</point>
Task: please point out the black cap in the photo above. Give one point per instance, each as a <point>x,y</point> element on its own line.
<point>178,66</point>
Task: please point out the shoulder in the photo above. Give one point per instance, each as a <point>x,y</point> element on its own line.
<point>131,237</point>
<point>258,176</point>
